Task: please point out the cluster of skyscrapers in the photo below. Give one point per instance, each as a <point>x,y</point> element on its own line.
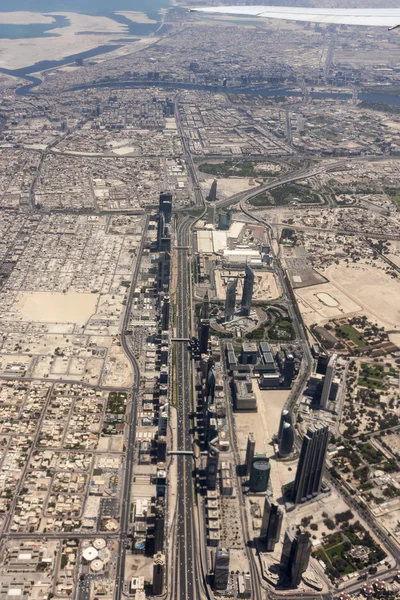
<point>296,549</point>
<point>155,533</point>
<point>247,295</point>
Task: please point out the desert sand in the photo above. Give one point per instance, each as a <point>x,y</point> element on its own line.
<point>320,303</point>
<point>229,186</point>
<point>377,292</point>
<point>49,307</point>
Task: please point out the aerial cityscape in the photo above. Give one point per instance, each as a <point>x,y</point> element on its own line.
<point>199,302</point>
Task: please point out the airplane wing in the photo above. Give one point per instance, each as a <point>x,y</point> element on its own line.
<point>374,17</point>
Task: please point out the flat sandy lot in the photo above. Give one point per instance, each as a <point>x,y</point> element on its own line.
<point>376,292</point>
<point>48,307</point>
<point>319,303</point>
<point>230,186</point>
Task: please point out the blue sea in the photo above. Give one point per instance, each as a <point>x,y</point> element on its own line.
<point>90,7</point>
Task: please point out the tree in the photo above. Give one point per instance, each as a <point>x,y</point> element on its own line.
<point>329,523</point>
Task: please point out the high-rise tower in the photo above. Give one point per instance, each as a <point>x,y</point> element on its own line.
<point>285,418</point>
<point>251,446</point>
<point>247,295</point>
<point>158,574</point>
<point>288,369</point>
<point>165,314</point>
<point>230,301</point>
<point>287,441</point>
<point>295,556</point>
<point>308,479</point>
<point>212,196</point>
<point>271,524</point>
<point>221,569</point>
<point>329,376</point>
<point>205,307</point>
<point>204,335</point>
<point>165,205</point>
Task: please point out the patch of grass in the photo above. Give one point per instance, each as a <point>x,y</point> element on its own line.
<point>374,371</point>
<point>371,383</point>
<point>256,334</point>
<point>353,335</point>
<point>116,403</point>
<point>285,194</point>
<point>370,454</point>
<point>282,330</point>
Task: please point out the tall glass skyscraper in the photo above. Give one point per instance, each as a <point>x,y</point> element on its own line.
<point>308,479</point>
<point>247,295</point>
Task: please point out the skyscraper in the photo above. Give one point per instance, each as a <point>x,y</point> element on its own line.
<point>210,214</point>
<point>160,230</point>
<point>295,556</point>
<point>204,335</point>
<point>259,473</point>
<point>158,574</point>
<point>205,307</point>
<point>211,379</point>
<point>287,440</point>
<point>230,301</point>
<point>225,220</point>
<point>251,446</point>
<point>247,295</point>
<point>285,418</point>
<point>165,205</point>
<point>165,314</point>
<point>221,569</point>
<point>212,466</point>
<point>308,479</point>
<point>212,196</point>
<point>271,524</point>
<point>159,529</point>
<point>288,369</point>
<point>329,376</point>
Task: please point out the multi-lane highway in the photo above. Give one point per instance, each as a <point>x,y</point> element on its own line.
<point>186,585</point>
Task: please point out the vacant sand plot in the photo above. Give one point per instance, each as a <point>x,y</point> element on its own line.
<point>48,307</point>
<point>229,186</point>
<point>319,303</point>
<point>376,292</point>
